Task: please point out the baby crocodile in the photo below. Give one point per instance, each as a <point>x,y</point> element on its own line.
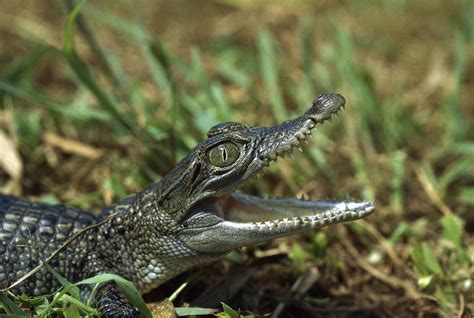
<point>193,216</point>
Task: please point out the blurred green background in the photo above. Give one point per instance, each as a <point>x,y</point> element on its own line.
<point>100,106</point>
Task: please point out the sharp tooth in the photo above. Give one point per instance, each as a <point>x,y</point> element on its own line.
<point>300,149</point>
<point>301,136</point>
<point>292,155</point>
<point>306,131</point>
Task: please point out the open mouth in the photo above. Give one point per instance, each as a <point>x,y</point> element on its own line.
<point>283,212</point>
<point>236,219</point>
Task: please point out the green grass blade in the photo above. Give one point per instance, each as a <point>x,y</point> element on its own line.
<point>452,231</point>
<point>128,289</point>
<point>233,73</point>
<point>228,312</point>
<point>45,311</point>
<point>402,230</point>
<point>467,195</point>
<point>458,148</point>
<point>306,43</point>
<point>269,70</point>
<point>89,36</point>
<point>77,306</point>
<point>69,30</point>
<point>159,75</point>
<point>398,165</point>
<point>10,307</point>
<point>71,311</point>
<point>456,171</point>
<point>194,311</point>
<point>73,290</point>
<point>224,111</point>
<point>82,71</point>
<point>431,261</point>
<point>455,123</point>
<point>124,27</point>
<point>18,71</point>
<point>418,259</point>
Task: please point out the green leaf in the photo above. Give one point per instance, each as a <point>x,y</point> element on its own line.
<point>159,74</point>
<point>221,103</point>
<point>228,312</point>
<point>456,171</point>
<point>458,148</point>
<point>319,244</point>
<point>425,260</point>
<point>77,305</point>
<point>418,260</point>
<point>269,70</point>
<point>128,289</point>
<point>194,311</point>
<point>431,261</point>
<point>43,311</point>
<point>452,231</point>
<point>398,163</point>
<point>403,229</point>
<point>69,30</point>
<point>234,73</point>
<point>467,195</point>
<point>297,254</point>
<point>130,30</point>
<point>197,74</point>
<point>10,307</point>
<point>33,301</point>
<point>18,71</point>
<point>235,257</point>
<point>81,69</point>
<point>73,290</point>
<point>71,311</point>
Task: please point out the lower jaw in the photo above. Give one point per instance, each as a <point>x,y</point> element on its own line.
<point>243,224</point>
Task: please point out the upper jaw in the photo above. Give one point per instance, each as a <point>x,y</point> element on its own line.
<point>281,139</point>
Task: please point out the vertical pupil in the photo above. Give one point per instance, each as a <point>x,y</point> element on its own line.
<point>224,154</point>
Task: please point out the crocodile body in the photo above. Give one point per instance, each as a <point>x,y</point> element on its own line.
<point>191,217</point>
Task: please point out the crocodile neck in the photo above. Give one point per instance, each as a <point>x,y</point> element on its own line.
<point>134,243</point>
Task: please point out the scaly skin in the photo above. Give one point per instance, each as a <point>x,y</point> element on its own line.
<point>191,217</point>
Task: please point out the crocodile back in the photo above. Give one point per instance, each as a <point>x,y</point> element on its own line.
<point>29,233</point>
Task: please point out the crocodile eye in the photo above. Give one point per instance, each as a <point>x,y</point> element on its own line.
<point>223,155</point>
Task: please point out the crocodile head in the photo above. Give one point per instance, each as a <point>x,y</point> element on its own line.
<point>210,217</point>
